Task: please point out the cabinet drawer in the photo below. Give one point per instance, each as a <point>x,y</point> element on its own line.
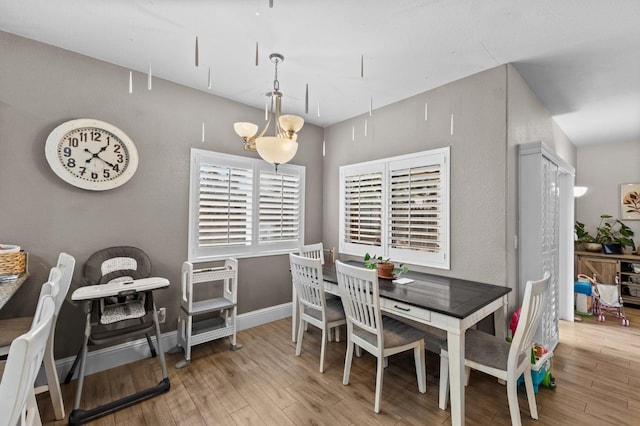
<point>405,310</point>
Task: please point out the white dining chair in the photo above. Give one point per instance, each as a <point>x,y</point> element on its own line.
<point>313,251</point>
<point>495,356</point>
<point>313,306</point>
<point>60,277</point>
<point>18,404</point>
<point>366,327</point>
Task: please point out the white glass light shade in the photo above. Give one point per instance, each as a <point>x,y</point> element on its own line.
<point>291,123</point>
<point>579,191</point>
<point>276,150</point>
<point>245,130</point>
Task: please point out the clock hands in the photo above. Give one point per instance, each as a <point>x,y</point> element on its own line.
<point>96,155</point>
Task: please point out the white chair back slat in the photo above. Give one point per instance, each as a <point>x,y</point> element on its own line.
<point>360,295</point>
<point>307,277</point>
<point>313,251</point>
<point>529,321</point>
<point>17,400</point>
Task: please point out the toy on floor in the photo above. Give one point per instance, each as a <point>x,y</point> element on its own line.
<point>607,299</point>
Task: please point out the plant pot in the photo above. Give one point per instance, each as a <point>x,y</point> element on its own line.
<point>385,270</point>
<point>592,246</point>
<point>612,248</point>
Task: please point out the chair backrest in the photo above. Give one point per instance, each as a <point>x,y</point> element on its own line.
<point>308,281</point>
<point>360,298</point>
<point>61,276</point>
<point>313,251</point>
<point>532,306</point>
<point>66,265</point>
<point>115,264</point>
<point>23,363</point>
<point>50,288</point>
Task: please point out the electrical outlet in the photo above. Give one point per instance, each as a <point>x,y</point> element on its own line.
<point>162,315</point>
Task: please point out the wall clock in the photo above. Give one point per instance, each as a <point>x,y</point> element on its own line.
<point>91,154</point>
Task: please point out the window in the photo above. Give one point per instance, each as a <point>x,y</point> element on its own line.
<point>397,207</point>
<point>240,207</point>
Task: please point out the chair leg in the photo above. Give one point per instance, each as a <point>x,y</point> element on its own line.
<point>347,362</point>
<point>322,347</point>
<point>444,382</point>
<point>163,363</point>
<point>83,361</point>
<point>187,334</point>
<point>379,376</point>
<point>53,382</point>
<point>72,370</point>
<point>300,334</point>
<point>512,396</point>
<point>32,416</point>
<point>421,367</point>
<point>531,395</point>
<point>337,332</point>
<point>151,347</point>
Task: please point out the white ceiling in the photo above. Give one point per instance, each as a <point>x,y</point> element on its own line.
<point>580,57</point>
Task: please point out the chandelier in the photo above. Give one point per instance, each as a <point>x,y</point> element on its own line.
<point>281,147</point>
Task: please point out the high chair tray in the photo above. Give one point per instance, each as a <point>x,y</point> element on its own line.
<point>113,289</point>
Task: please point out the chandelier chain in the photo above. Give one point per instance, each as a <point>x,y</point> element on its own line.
<point>276,83</point>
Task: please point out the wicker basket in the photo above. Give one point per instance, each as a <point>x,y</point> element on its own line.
<point>13,263</point>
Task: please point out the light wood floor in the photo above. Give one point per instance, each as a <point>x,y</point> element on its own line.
<point>596,365</point>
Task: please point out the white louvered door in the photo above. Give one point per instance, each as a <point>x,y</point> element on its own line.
<point>550,209</point>
<point>545,194</point>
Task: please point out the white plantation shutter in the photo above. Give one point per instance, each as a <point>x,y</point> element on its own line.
<point>398,205</point>
<point>279,207</point>
<point>363,209</point>
<point>224,206</point>
<point>240,207</point>
<point>417,227</point>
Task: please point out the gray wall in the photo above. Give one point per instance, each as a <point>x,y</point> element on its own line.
<point>42,86</point>
<point>478,163</point>
<point>527,121</point>
<point>493,112</point>
<point>602,168</point>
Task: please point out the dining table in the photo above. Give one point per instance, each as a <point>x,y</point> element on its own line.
<point>450,304</point>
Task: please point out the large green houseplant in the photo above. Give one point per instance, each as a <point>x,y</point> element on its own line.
<point>612,234</point>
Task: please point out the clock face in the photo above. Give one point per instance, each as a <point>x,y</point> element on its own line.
<point>91,154</point>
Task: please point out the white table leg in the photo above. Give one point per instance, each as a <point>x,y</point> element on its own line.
<point>294,314</point>
<point>455,346</point>
<point>499,323</point>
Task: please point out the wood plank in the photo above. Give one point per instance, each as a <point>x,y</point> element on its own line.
<point>596,365</point>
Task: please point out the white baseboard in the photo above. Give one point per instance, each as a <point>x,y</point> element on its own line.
<point>125,353</point>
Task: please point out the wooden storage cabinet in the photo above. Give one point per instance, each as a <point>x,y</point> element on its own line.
<point>607,266</point>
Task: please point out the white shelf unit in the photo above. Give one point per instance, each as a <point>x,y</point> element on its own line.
<point>195,324</point>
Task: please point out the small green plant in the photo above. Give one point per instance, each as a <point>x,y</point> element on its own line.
<point>371,262</point>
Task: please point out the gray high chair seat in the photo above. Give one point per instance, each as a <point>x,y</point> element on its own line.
<point>120,315</point>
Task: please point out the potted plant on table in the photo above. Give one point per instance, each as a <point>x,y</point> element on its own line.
<point>386,268</point>
<point>612,236</point>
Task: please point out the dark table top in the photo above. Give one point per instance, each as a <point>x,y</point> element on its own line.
<point>450,296</point>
